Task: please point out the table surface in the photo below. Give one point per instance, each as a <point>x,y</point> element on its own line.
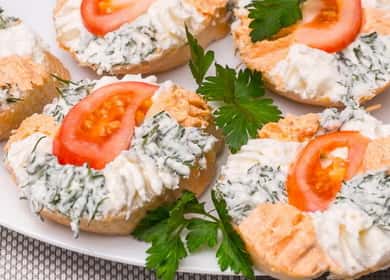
<point>23,258</point>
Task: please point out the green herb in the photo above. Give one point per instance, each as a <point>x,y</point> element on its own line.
<point>243,108</point>
<point>270,16</point>
<point>63,81</point>
<point>183,227</point>
<point>201,61</point>
<point>6,21</point>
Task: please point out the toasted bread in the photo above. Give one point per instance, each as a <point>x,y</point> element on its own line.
<point>265,56</point>
<point>216,27</point>
<point>197,114</point>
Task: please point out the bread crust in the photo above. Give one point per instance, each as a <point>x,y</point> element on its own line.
<point>35,99</point>
<point>168,59</point>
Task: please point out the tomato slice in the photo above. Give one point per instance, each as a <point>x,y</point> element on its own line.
<point>312,187</point>
<point>336,26</point>
<point>98,128</point>
<point>103,16</point>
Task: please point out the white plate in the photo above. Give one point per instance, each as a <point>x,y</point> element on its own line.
<point>14,214</point>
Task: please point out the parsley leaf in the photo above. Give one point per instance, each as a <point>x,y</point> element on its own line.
<point>243,108</point>
<point>201,61</point>
<point>270,16</point>
<point>201,232</point>
<point>231,253</point>
<point>183,227</point>
<point>153,225</point>
<point>165,256</point>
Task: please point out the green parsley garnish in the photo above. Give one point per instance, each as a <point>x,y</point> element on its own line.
<point>244,109</point>
<point>183,227</point>
<point>270,16</point>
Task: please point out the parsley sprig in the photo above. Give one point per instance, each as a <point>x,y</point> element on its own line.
<point>183,227</point>
<point>244,109</point>
<point>270,16</point>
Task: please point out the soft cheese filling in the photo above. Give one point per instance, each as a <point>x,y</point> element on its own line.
<point>354,119</point>
<point>355,230</point>
<point>161,28</point>
<point>162,152</point>
<point>18,39</point>
<point>355,73</point>
<point>255,175</point>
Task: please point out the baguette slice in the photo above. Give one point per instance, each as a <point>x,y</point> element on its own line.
<point>215,27</point>
<point>189,110</point>
<point>295,82</point>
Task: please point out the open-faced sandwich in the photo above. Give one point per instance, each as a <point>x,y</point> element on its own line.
<point>26,84</point>
<point>107,151</point>
<point>319,52</point>
<point>311,195</point>
<point>132,36</point>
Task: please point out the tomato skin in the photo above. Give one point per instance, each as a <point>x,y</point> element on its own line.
<point>333,36</point>
<point>301,192</point>
<point>100,23</point>
<point>72,144</point>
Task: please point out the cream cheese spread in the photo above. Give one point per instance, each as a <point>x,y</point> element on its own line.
<point>354,119</point>
<point>255,175</point>
<point>18,39</point>
<point>159,29</point>
<point>354,73</point>
<point>355,230</point>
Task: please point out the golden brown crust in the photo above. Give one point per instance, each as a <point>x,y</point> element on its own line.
<point>282,242</point>
<point>187,107</point>
<point>217,28</point>
<point>263,56</point>
<point>38,91</point>
<point>292,128</point>
<point>37,123</point>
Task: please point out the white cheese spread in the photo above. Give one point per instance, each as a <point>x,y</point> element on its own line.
<point>20,40</point>
<point>354,119</point>
<point>349,238</point>
<point>355,230</point>
<point>255,175</point>
<point>159,29</point>
<point>354,73</point>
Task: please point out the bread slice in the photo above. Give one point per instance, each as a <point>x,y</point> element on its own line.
<point>264,56</point>
<point>195,112</point>
<point>37,89</point>
<point>216,27</point>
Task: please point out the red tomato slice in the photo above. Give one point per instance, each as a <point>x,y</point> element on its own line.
<point>98,128</point>
<point>310,186</point>
<point>336,26</point>
<point>103,16</point>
